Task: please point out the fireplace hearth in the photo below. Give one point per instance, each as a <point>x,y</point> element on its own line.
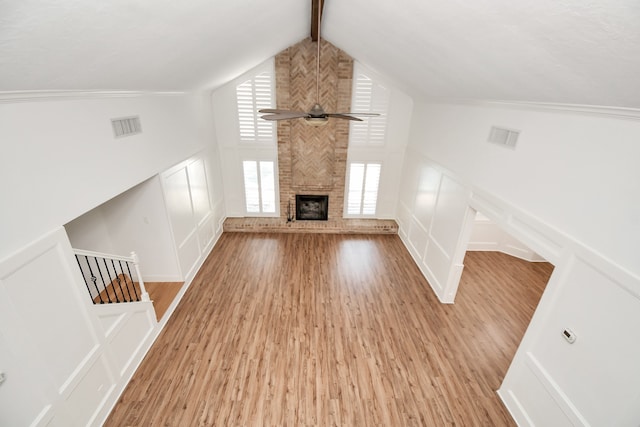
<point>312,207</point>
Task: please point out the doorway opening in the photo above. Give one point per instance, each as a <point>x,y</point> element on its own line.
<point>498,264</point>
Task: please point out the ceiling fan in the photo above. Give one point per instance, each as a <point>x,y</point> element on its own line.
<point>316,116</point>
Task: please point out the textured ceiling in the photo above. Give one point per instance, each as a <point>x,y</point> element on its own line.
<point>559,51</point>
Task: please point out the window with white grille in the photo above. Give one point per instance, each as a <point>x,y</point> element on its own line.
<point>362,193</point>
<point>259,186</point>
<point>253,95</point>
<point>369,97</point>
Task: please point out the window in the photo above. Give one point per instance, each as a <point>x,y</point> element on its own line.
<point>259,186</point>
<point>363,188</point>
<point>369,96</point>
<point>253,95</point>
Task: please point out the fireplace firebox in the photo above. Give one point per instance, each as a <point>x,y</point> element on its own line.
<point>312,207</point>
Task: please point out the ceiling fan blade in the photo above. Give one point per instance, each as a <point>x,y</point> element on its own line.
<point>285,116</point>
<point>351,113</point>
<point>343,116</point>
<point>278,111</point>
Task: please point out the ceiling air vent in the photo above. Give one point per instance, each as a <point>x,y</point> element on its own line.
<point>502,136</point>
<point>126,126</point>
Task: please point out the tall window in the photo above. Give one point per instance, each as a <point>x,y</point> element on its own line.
<point>362,196</point>
<point>259,186</point>
<point>369,96</point>
<point>253,95</point>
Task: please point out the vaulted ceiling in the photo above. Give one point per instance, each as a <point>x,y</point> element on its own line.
<point>559,51</point>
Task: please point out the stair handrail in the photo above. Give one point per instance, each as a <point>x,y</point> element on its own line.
<point>132,258</point>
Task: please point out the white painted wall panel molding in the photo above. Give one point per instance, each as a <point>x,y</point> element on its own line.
<point>418,237</point>
<point>42,298</point>
<point>189,202</point>
<point>404,219</point>
<point>83,404</point>
<point>530,404</point>
<point>582,222</point>
<point>561,399</point>
<point>22,400</point>
<point>424,268</point>
<point>607,346</point>
<point>438,263</point>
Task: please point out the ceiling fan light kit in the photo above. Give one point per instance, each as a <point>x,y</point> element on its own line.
<point>316,121</point>
<point>316,116</point>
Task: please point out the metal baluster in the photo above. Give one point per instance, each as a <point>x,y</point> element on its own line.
<point>94,279</point>
<point>134,285</point>
<point>111,280</point>
<point>126,285</point>
<point>103,282</point>
<point>118,280</point>
<point>84,278</point>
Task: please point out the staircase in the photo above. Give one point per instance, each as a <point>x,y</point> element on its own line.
<point>111,279</point>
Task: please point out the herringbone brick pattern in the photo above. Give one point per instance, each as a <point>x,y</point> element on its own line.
<point>313,160</point>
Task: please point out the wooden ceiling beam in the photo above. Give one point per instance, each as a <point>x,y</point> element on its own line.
<point>317,7</point>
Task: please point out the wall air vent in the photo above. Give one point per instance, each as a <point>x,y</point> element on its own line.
<point>126,126</point>
<point>502,136</point>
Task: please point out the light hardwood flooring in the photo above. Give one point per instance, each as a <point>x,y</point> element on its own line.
<point>322,329</point>
<point>162,294</point>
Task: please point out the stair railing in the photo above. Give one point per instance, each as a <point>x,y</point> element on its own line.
<point>111,278</point>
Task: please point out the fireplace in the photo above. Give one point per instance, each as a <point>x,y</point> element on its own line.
<point>311,207</point>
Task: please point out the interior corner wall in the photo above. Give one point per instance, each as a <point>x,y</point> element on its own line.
<point>568,191</point>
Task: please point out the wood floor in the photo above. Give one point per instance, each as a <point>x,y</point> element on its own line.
<point>321,329</point>
<point>162,294</point>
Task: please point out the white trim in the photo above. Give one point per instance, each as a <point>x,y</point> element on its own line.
<point>595,110</point>
<point>55,95</point>
<point>102,255</point>
<point>554,390</point>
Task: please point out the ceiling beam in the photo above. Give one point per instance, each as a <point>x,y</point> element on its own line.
<point>317,7</point>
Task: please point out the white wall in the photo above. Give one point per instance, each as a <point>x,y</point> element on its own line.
<point>488,236</point>
<point>232,150</point>
<point>572,171</point>
<point>195,223</point>
<point>60,159</point>
<point>569,192</point>
<point>67,360</point>
<point>432,211</point>
<point>90,232</point>
<point>135,220</point>
<point>391,154</point>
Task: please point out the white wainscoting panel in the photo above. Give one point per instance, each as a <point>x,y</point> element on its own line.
<point>22,401</point>
<point>607,346</point>
<point>45,322</point>
<point>176,188</point>
<point>88,396</point>
<point>449,216</point>
<point>531,404</point>
<point>188,199</point>
<point>418,237</point>
<point>126,337</point>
